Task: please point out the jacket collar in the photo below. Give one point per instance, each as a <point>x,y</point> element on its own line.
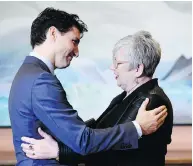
<point>142,89</point>
<point>46,61</point>
<point>36,61</point>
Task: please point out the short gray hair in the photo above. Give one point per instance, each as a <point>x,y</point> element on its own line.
<point>140,48</point>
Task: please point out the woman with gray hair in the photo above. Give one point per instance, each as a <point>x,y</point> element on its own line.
<point>135,59</point>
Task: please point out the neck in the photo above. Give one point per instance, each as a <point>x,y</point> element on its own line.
<point>141,81</point>
<point>43,50</point>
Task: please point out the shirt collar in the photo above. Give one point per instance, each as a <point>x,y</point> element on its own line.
<point>46,61</point>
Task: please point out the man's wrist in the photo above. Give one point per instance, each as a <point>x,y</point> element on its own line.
<point>58,151</point>
<point>138,128</point>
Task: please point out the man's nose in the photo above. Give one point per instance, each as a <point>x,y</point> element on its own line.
<point>76,51</point>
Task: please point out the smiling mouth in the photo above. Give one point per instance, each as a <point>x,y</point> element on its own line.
<point>70,57</point>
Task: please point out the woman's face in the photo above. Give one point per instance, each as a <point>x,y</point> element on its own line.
<point>125,77</point>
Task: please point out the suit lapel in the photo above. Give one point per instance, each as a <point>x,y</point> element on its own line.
<point>123,111</point>
<point>117,100</point>
<point>107,115</point>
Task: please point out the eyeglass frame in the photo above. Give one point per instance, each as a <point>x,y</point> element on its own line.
<point>117,63</point>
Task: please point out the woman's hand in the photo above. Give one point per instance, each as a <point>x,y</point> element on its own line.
<point>45,148</point>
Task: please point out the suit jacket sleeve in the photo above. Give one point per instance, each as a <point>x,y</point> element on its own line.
<point>52,108</point>
<point>67,155</point>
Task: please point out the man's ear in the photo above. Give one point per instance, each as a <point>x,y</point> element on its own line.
<point>52,33</point>
<point>139,70</point>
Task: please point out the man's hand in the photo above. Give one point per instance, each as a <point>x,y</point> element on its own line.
<point>45,148</point>
<point>150,121</point>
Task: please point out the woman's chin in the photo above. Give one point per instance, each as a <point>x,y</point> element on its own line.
<point>118,84</point>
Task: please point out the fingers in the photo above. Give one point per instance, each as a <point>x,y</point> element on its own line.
<point>161,114</point>
<point>32,156</point>
<point>42,133</point>
<point>27,151</point>
<point>144,105</point>
<point>159,109</point>
<point>26,146</point>
<point>160,124</point>
<point>162,119</point>
<point>29,140</point>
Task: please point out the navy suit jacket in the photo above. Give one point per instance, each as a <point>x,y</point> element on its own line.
<point>37,95</point>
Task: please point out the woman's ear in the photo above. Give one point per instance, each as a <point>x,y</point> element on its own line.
<point>139,70</point>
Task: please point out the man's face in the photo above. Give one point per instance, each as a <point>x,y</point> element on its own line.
<point>125,77</point>
<point>66,47</point>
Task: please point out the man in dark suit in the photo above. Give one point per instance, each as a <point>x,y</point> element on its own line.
<point>37,95</point>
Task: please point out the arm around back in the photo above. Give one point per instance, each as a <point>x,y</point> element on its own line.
<point>51,107</point>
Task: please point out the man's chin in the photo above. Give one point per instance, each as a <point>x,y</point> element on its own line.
<point>63,67</point>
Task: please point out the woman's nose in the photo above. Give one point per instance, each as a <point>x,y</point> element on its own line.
<point>112,67</point>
